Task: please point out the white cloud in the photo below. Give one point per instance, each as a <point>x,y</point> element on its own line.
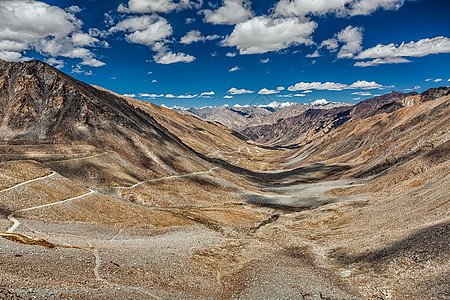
<point>331,44</point>
<point>428,79</point>
<point>170,96</point>
<point>145,30</point>
<point>235,91</point>
<point>382,61</point>
<point>420,48</point>
<point>154,81</point>
<point>364,85</point>
<point>165,56</point>
<point>234,69</point>
<point>227,97</point>
<point>307,91</point>
<point>207,93</point>
<point>299,95</point>
<point>50,30</point>
<point>194,36</point>
<point>186,96</point>
<point>280,88</point>
<point>333,86</point>
<point>57,63</point>
<point>330,86</point>
<point>357,98</point>
<point>285,96</point>
<point>320,102</point>
<point>264,34</point>
<point>265,91</point>
<point>151,95</point>
<point>438,80</point>
<point>230,54</point>
<point>362,93</point>
<point>190,20</point>
<point>92,62</point>
<point>301,8</point>
<point>232,12</point>
<point>73,9</point>
<point>148,6</point>
<point>315,54</point>
<point>352,39</point>
<point>130,95</point>
<point>78,70</point>
<point>264,60</point>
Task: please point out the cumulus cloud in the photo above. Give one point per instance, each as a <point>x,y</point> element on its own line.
<point>392,53</point>
<point>382,61</point>
<point>73,9</point>
<point>302,8</point>
<point>151,95</point>
<point>438,80</point>
<point>351,40</point>
<point>265,91</point>
<point>57,63</point>
<point>231,12</point>
<point>330,86</point>
<point>186,96</point>
<point>280,88</point>
<point>194,36</point>
<point>58,33</point>
<point>331,44</point>
<point>148,6</point>
<point>227,97</point>
<point>130,95</point>
<point>152,30</point>
<point>362,93</point>
<point>315,54</point>
<point>169,57</point>
<point>211,93</point>
<point>333,86</point>
<point>264,60</point>
<point>264,34</point>
<point>230,54</point>
<point>145,30</point>
<point>234,69</point>
<point>235,91</point>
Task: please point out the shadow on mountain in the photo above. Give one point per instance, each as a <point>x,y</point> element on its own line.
<point>431,243</point>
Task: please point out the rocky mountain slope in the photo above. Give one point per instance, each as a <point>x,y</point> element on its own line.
<point>239,117</point>
<point>104,196</point>
<point>301,128</point>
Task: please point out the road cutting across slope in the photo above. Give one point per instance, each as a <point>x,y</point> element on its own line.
<point>16,222</point>
<point>28,181</point>
<point>164,178</point>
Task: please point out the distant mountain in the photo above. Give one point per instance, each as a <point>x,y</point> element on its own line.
<point>303,124</point>
<point>239,117</point>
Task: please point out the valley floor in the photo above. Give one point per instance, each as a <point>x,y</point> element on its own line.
<point>305,238</point>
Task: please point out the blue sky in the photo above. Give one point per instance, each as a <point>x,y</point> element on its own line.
<point>198,53</point>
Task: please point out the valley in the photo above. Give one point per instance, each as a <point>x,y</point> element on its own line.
<point>105,196</point>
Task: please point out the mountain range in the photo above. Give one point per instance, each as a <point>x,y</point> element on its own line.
<point>105,196</point>
<point>239,117</point>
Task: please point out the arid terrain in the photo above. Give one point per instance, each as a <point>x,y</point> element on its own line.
<point>104,196</point>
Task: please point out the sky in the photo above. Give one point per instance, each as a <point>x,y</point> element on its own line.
<point>200,53</point>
